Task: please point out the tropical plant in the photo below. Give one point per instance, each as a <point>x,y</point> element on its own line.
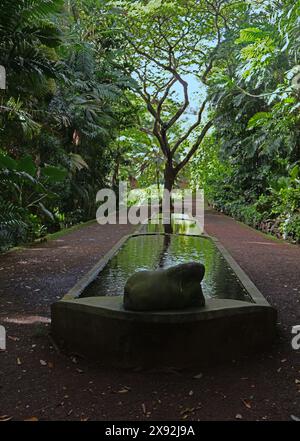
<point>24,195</point>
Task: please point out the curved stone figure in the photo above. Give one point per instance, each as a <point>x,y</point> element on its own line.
<point>173,288</point>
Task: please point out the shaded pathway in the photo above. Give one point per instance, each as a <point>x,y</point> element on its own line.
<point>273,265</point>
<point>37,381</point>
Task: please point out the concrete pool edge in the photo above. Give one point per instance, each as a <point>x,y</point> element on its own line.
<point>112,307</point>
<point>100,329</point>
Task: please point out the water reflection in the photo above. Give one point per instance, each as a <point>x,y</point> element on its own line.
<point>180,224</point>
<point>148,252</point>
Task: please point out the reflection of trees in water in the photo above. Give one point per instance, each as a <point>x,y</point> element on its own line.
<point>219,280</point>
<point>167,221</point>
<point>173,225</point>
<point>225,283</point>
<point>164,252</point>
<point>168,230</point>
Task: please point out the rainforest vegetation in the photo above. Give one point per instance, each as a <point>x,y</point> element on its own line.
<point>157,92</point>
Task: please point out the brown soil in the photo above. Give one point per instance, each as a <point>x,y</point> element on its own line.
<point>38,381</point>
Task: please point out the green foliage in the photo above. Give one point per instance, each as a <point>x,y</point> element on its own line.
<point>24,194</point>
<point>71,121</point>
<point>54,174</point>
<point>255,93</point>
<point>13,227</point>
<point>64,105</point>
<point>291,228</point>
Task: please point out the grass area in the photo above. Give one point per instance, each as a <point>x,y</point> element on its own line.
<point>69,230</point>
<point>52,236</point>
<point>18,248</point>
<point>267,235</point>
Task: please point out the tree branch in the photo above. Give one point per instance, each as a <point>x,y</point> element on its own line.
<point>168,87</point>
<point>182,109</point>
<point>191,129</point>
<point>147,131</point>
<point>195,147</point>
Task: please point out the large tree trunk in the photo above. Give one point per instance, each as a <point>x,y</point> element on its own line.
<point>169,177</point>
<point>115,177</point>
<point>167,206</point>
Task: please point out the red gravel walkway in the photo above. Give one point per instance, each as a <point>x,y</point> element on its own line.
<point>36,381</point>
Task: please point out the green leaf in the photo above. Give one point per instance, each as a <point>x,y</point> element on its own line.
<point>46,211</point>
<point>7,162</point>
<point>54,174</point>
<point>294,173</point>
<point>27,165</point>
<point>259,119</point>
<point>77,162</point>
<point>251,35</point>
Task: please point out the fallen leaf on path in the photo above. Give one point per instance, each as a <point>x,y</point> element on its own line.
<point>238,416</point>
<point>11,337</point>
<point>198,376</point>
<point>187,410</point>
<point>247,404</point>
<point>297,381</point>
<point>5,418</point>
<point>19,361</point>
<point>124,390</point>
<point>191,393</point>
<point>294,418</point>
<point>144,409</point>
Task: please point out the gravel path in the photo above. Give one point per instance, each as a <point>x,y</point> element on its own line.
<point>38,382</point>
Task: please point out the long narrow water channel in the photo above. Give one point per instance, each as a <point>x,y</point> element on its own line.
<point>153,251</point>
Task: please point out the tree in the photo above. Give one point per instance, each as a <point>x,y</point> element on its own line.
<point>167,42</point>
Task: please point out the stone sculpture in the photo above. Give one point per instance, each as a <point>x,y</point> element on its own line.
<point>177,287</point>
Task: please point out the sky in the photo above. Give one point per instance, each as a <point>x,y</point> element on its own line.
<point>197,94</point>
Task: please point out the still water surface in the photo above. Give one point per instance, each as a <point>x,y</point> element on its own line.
<point>153,251</point>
